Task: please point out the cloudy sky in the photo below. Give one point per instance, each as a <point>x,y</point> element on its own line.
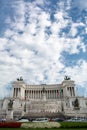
<point>42,41</point>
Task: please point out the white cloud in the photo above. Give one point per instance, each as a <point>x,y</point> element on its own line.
<point>78,72</point>
<point>74,28</point>
<point>28,50</point>
<point>3,42</point>
<point>71,45</point>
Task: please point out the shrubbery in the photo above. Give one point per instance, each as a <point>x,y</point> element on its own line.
<point>73,124</point>
<point>10,124</point>
<point>41,125</point>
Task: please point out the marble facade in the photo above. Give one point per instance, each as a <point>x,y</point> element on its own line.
<point>29,100</point>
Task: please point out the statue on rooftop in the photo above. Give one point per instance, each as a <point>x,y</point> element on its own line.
<point>20,79</point>
<point>67,77</point>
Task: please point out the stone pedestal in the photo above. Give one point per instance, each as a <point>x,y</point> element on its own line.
<point>9,115</point>
<point>44,97</point>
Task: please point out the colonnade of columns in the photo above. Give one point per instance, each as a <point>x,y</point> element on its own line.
<point>17,92</point>
<point>37,94</point>
<point>71,91</point>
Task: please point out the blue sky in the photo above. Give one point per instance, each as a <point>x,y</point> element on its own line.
<point>42,41</point>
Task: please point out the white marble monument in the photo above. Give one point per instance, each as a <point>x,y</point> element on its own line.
<point>33,100</point>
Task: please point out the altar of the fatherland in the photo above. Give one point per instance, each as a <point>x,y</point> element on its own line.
<point>43,100</point>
